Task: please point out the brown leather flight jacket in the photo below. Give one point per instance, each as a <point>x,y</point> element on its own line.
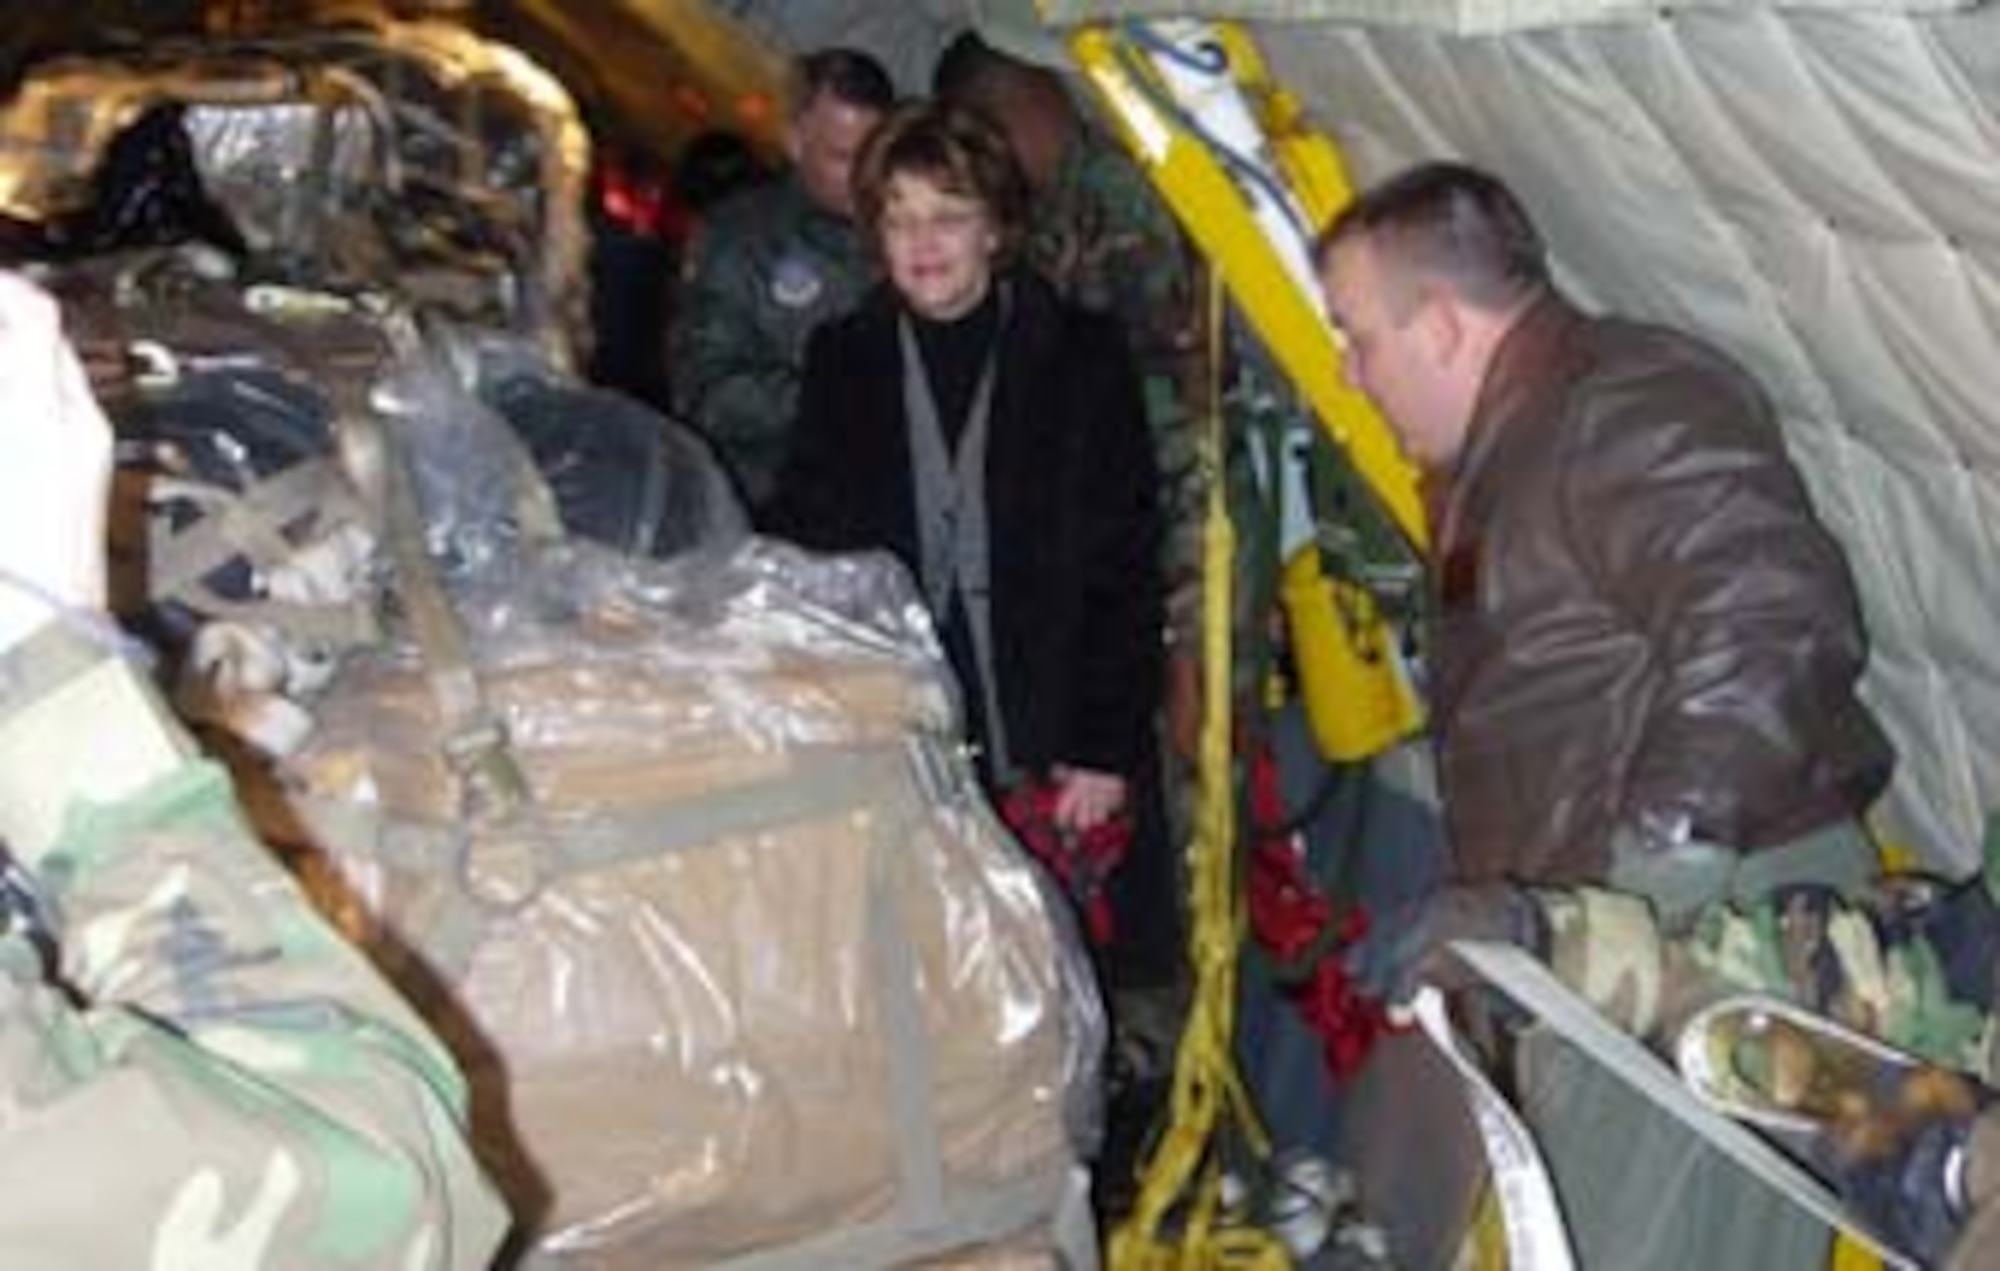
<point>1639,620</point>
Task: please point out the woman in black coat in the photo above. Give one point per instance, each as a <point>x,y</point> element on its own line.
<point>961,385</point>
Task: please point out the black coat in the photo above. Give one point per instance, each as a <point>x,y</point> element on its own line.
<point>1072,506</point>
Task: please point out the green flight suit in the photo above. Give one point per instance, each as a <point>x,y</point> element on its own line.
<point>1102,235</point>
<point>765,269</point>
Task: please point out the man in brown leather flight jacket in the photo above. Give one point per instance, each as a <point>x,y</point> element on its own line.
<point>1643,656</point>
<point>1645,644</point>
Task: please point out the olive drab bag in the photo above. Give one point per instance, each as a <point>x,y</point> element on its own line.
<point>684,861</point>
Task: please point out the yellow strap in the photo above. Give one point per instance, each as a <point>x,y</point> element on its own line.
<point>1208,1094</point>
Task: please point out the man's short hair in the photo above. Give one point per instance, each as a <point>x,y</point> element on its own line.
<point>1447,222</point>
<point>847,75</point>
<point>963,65</point>
<point>973,73</point>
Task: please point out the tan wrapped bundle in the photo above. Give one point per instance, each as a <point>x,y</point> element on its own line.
<point>756,977</point>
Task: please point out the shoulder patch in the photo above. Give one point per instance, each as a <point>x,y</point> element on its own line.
<point>796,282</point>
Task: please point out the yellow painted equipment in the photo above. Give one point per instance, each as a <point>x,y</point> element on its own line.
<point>1214,211</point>
<point>1356,697</point>
<point>1359,701</point>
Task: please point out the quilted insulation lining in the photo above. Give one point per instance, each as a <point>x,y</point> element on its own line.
<point>1818,192</point>
<point>1815,186</point>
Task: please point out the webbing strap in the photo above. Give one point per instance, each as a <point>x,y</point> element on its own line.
<point>990,1215</point>
<point>909,1074</point>
<point>471,737</point>
<point>456,919</point>
<point>249,524</point>
<point>831,784</point>
<point>347,625</point>
<point>1531,985</point>
<point>1537,1240</point>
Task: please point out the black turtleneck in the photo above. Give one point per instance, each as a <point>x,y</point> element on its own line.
<point>954,353</point>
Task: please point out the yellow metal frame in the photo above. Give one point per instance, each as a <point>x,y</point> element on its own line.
<point>1216,215</point>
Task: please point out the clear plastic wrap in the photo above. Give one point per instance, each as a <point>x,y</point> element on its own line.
<point>489,427</point>
<point>412,157</point>
<point>755,948</point>
<point>466,470</point>
<point>276,171</point>
<point>622,475</point>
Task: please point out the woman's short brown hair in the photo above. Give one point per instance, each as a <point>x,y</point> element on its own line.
<point>954,148</point>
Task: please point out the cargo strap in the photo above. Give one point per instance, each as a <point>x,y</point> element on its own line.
<point>1536,1237</point>
<point>911,1076</point>
<point>610,837</point>
<point>252,524</point>
<point>924,1220</point>
<point>454,918</point>
<point>992,1215</point>
<point>1531,985</point>
<point>472,739</point>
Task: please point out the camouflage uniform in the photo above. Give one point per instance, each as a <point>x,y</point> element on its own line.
<point>1101,234</point>
<point>1640,1190</point>
<point>201,1074</point>
<point>766,268</point>
<point>1906,961</point>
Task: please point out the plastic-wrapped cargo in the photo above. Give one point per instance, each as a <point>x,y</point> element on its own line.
<point>752,974</point>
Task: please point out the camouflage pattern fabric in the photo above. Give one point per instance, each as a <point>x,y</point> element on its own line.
<point>210,1078</point>
<point>1101,234</point>
<point>765,269</point>
<point>1909,961</point>
<point>1874,962</point>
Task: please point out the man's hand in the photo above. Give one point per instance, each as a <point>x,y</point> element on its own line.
<point>1408,946</point>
